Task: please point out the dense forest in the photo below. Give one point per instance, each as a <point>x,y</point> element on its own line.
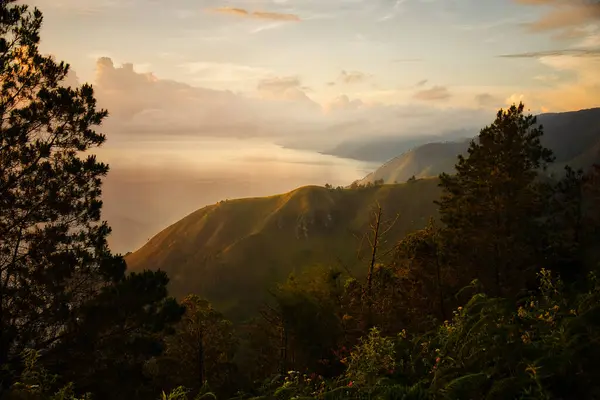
<point>497,298</point>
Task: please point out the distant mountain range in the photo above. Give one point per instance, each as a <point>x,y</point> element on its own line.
<point>573,136</point>
<point>233,251</point>
<point>384,148</point>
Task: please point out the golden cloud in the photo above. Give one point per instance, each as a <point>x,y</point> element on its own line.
<point>240,12</point>
<point>563,14</point>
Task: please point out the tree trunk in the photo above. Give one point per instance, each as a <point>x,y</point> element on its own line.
<point>374,246</point>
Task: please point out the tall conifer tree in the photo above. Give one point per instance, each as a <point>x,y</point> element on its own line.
<point>492,206</point>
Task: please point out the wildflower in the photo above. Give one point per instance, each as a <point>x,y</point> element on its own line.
<point>391,371</point>
<point>459,308</point>
<point>573,312</point>
<point>350,384</point>
<point>521,312</point>
<point>437,360</point>
<point>556,308</point>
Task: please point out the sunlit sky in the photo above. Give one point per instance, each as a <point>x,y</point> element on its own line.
<point>437,52</point>
<point>201,92</point>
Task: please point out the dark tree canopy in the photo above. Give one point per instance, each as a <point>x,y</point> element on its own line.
<point>57,274</point>
<point>492,206</point>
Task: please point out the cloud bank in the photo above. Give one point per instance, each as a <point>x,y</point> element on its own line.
<point>280,110</point>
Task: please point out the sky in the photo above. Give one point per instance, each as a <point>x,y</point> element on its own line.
<point>308,74</point>
<point>343,54</point>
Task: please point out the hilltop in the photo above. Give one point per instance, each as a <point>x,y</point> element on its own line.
<point>574,137</point>
<point>233,251</point>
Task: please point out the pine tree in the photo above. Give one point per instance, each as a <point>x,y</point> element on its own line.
<point>419,257</point>
<point>492,206</point>
<point>62,292</point>
<point>201,350</point>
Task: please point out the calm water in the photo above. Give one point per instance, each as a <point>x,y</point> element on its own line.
<point>153,183</point>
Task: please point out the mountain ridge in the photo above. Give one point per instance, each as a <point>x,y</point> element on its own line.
<point>570,135</point>
<point>245,246</point>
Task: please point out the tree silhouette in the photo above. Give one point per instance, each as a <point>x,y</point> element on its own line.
<point>62,292</point>
<point>492,207</point>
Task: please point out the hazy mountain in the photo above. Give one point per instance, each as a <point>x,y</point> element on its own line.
<point>384,148</point>
<point>573,136</point>
<point>245,246</point>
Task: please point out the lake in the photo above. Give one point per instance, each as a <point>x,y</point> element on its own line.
<point>156,182</point>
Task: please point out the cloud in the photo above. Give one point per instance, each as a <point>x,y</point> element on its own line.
<point>241,12</point>
<point>487,100</point>
<point>436,93</point>
<point>276,16</point>
<point>352,77</point>
<point>203,71</point>
<point>343,102</point>
<point>279,84</point>
<point>278,108</point>
<point>268,27</point>
<point>551,53</point>
<point>563,14</point>
<point>285,88</point>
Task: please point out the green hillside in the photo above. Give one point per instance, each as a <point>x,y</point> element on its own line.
<point>243,246</point>
<point>574,137</point>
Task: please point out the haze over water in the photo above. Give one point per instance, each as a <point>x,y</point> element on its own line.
<point>154,182</point>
